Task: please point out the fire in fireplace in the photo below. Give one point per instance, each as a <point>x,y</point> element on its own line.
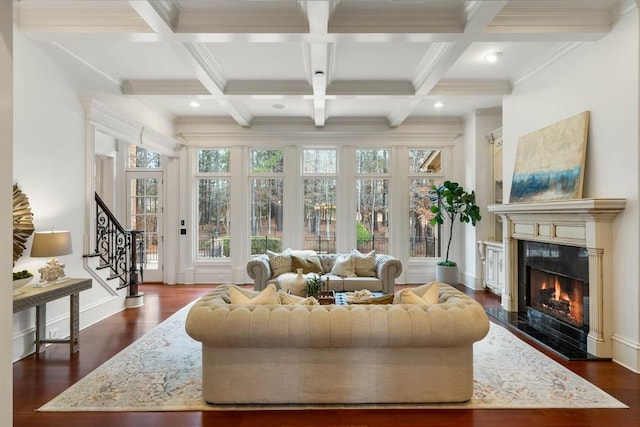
<point>558,296</point>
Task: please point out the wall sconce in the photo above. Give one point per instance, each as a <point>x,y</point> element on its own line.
<point>51,244</point>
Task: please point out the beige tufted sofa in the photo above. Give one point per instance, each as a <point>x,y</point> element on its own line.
<point>290,354</point>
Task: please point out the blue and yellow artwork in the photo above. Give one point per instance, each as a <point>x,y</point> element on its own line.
<point>550,162</point>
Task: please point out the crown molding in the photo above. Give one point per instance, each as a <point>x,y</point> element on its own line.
<point>87,17</point>
<point>543,61</point>
<point>268,88</point>
<point>284,19</point>
<point>198,130</point>
<point>371,88</point>
<point>161,16</point>
<point>471,88</point>
<point>88,61</point>
<point>394,18</point>
<point>163,87</point>
<point>122,126</point>
<point>521,19</point>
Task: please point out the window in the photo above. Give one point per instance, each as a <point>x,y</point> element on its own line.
<point>141,158</point>
<point>425,170</point>
<point>319,169</point>
<point>266,192</point>
<point>213,201</point>
<point>372,210</point>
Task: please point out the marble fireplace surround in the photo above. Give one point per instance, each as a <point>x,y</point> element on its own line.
<point>581,222</point>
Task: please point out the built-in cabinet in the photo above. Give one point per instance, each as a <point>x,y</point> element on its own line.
<point>492,252</point>
<point>494,267</point>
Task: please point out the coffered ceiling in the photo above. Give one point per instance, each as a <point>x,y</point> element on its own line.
<point>313,61</point>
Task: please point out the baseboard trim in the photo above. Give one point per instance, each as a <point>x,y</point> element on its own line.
<point>626,353</point>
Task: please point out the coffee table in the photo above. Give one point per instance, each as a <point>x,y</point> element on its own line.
<point>341,297</point>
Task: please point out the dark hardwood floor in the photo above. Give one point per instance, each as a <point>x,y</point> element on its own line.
<point>37,379</point>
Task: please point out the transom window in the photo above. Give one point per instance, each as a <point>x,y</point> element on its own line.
<point>141,158</point>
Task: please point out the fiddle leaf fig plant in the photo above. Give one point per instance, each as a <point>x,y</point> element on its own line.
<point>452,200</point>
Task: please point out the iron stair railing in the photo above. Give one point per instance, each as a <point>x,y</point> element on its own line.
<point>120,250</point>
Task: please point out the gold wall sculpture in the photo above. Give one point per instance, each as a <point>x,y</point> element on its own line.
<point>22,222</point>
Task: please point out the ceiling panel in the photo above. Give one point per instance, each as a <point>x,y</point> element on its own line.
<point>515,58</point>
<point>134,60</point>
<point>377,61</point>
<point>260,61</point>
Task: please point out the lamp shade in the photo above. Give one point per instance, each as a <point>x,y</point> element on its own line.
<point>51,243</point>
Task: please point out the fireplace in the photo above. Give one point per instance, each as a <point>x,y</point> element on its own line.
<point>558,264</point>
<point>553,291</point>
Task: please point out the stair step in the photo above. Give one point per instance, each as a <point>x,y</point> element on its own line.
<point>93,255</point>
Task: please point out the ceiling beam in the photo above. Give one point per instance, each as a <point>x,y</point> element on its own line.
<point>300,89</point>
<point>318,58</point>
<point>197,55</point>
<point>442,56</point>
<point>160,16</point>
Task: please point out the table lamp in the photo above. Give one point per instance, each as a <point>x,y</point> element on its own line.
<point>51,244</point>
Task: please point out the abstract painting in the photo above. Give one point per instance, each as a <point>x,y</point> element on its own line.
<point>550,162</point>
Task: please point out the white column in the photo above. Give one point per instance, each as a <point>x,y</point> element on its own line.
<point>596,342</point>
<point>6,215</point>
<point>510,292</point>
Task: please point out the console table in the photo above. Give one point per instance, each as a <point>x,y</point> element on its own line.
<point>39,297</point>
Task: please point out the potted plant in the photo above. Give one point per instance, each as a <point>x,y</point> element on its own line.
<point>314,285</point>
<point>451,200</point>
<point>20,279</point>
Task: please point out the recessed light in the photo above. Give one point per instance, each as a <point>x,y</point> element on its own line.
<point>438,104</point>
<point>492,57</point>
<point>278,106</point>
<point>194,104</point>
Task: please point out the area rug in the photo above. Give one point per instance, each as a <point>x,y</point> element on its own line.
<point>161,372</point>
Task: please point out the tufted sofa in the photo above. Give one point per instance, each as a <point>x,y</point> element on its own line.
<point>289,354</point>
<point>387,269</point>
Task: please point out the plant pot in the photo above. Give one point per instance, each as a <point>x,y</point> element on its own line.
<point>447,274</point>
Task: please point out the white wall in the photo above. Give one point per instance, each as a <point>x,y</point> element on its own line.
<point>6,180</point>
<point>601,77</point>
<point>478,176</point>
<point>49,165</point>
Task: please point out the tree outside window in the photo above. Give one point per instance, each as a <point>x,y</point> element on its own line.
<point>266,205</point>
<point>425,169</point>
<point>214,194</point>
<point>372,191</point>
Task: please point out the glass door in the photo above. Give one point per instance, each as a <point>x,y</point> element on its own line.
<point>145,213</point>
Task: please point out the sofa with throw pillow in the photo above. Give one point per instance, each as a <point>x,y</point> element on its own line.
<point>270,347</point>
<point>345,272</point>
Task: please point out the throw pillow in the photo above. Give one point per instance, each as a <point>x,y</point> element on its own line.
<point>343,266</point>
<point>280,262</point>
<point>409,296</point>
<point>308,264</point>
<point>268,296</point>
<point>288,299</point>
<point>365,264</point>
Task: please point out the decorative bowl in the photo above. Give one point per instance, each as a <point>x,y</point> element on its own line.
<point>21,282</point>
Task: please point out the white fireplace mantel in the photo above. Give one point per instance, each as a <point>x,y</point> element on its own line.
<point>581,222</point>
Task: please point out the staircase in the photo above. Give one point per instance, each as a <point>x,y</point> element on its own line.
<point>120,251</point>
